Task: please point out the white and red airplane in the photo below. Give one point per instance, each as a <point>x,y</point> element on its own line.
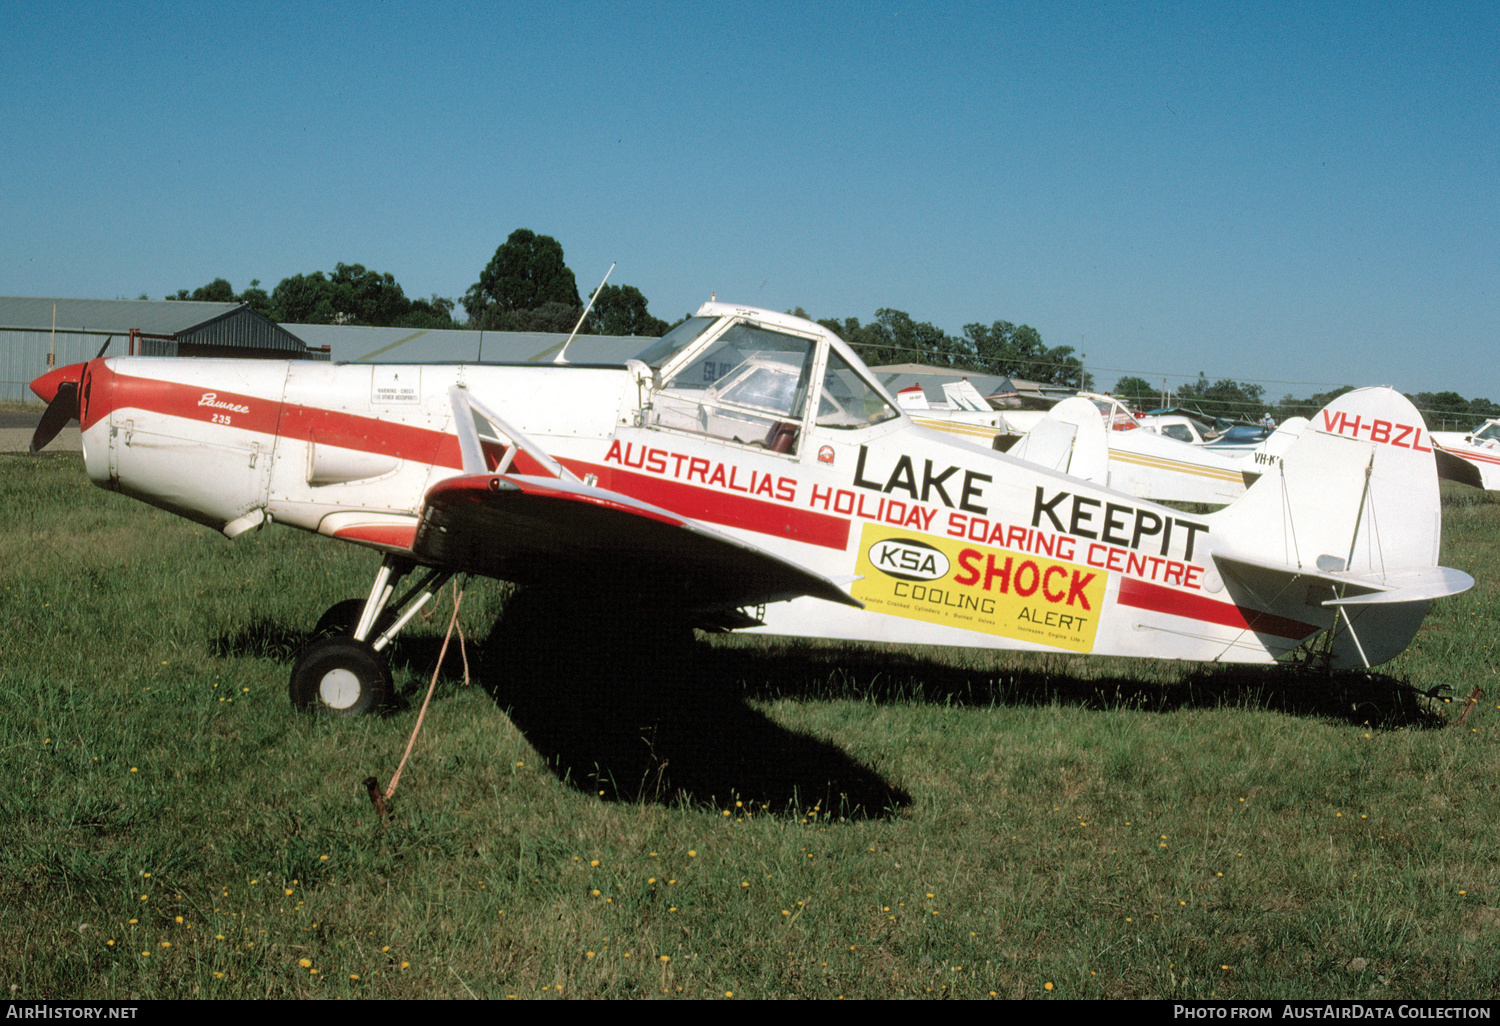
<point>746,472</point>
<point>1478,451</point>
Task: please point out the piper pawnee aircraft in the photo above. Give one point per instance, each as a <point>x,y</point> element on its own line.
<point>745,472</point>
<point>1475,455</point>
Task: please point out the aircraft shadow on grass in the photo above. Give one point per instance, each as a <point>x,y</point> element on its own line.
<point>630,721</point>
<point>636,712</point>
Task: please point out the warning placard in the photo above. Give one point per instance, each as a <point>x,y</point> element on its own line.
<point>998,591</point>
<point>396,385</point>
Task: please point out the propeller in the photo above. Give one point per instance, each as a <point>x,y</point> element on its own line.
<point>60,388</point>
<point>62,408</point>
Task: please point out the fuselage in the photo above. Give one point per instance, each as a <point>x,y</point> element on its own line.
<point>761,426</point>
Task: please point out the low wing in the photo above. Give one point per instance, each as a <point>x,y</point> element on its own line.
<point>1450,466</point>
<point>562,533</point>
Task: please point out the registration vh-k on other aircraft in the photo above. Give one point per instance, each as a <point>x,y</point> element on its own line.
<point>745,472</point>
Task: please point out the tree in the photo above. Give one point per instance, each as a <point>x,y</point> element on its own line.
<point>220,291</point>
<point>526,274</point>
<point>621,310</point>
<point>1017,351</point>
<point>436,312</point>
<point>1138,392</point>
<point>893,337</point>
<point>1444,411</point>
<point>1293,407</point>
<point>1236,400</point>
<point>304,299</point>
<point>354,294</point>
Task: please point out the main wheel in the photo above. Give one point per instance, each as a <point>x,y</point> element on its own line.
<point>340,675</point>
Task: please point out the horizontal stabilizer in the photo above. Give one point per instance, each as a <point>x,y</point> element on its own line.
<point>1409,584</point>
<point>1415,584</point>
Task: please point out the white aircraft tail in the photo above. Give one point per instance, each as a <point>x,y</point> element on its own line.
<point>1346,520</point>
<point>1070,439</point>
<point>962,395</point>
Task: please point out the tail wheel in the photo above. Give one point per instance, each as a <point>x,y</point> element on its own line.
<point>342,676</point>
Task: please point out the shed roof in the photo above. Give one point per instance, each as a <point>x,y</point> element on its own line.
<point>153,317</point>
<point>359,344</point>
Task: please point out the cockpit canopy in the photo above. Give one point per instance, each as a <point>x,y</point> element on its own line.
<point>1489,431</point>
<point>744,376</point>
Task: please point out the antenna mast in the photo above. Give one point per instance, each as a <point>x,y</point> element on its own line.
<point>559,357</point>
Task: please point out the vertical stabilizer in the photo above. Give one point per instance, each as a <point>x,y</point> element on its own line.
<point>1355,494</point>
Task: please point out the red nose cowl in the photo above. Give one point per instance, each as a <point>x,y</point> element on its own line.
<point>47,385</point>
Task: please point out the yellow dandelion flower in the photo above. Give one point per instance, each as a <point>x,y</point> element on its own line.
<point>1047,986</point>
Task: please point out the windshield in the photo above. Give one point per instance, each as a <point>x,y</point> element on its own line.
<point>1489,433</point>
<point>674,341</point>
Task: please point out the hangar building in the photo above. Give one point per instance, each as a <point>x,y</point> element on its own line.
<point>41,332</point>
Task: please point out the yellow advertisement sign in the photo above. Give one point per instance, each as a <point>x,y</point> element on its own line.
<point>979,588</point>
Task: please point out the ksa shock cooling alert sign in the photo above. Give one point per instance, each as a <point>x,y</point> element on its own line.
<point>1017,595</point>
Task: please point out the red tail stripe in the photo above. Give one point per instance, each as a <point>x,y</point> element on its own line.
<point>1157,599</point>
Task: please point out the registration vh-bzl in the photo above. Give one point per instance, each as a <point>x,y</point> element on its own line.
<point>746,472</point>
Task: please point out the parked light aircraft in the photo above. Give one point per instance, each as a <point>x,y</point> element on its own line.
<point>1097,438</point>
<point>747,473</point>
<point>1478,451</point>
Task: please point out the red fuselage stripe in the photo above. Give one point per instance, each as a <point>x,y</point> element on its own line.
<point>423,445</point>
<point>723,508</point>
<point>389,535</point>
<point>1157,599</point>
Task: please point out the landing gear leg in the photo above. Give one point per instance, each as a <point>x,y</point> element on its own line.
<point>344,670</point>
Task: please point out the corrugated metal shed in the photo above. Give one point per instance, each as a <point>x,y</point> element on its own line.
<point>181,328</point>
<point>351,344</point>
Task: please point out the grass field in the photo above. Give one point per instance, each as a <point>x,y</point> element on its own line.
<point>774,820</point>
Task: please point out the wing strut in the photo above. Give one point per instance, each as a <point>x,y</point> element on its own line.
<point>465,407</point>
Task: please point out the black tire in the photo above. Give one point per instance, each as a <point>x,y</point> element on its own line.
<point>341,618</point>
<point>340,675</point>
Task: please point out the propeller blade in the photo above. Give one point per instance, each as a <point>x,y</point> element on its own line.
<point>62,408</point>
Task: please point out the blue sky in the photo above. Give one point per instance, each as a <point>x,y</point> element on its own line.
<point>1298,195</point>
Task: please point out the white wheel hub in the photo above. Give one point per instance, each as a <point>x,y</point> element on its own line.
<point>339,689</point>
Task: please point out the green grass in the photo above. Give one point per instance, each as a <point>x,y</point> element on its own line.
<point>777,819</point>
